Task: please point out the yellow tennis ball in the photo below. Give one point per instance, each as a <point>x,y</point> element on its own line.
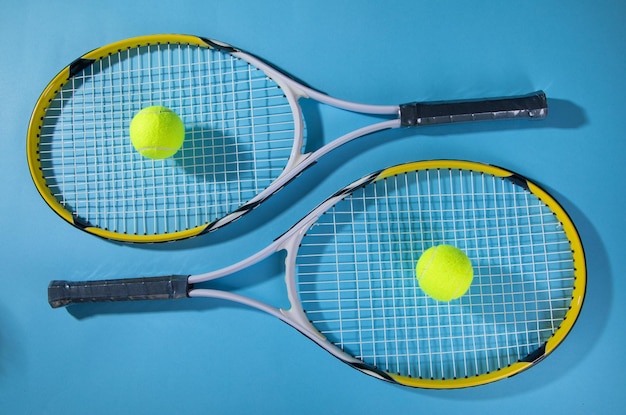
<point>157,132</point>
<point>444,272</point>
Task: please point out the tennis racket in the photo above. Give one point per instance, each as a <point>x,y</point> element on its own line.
<point>350,275</point>
<point>245,135</point>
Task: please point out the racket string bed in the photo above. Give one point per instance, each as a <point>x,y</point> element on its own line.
<point>357,281</point>
<point>239,137</point>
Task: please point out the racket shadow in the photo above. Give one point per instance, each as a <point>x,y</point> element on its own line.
<point>263,281</point>
<point>564,114</point>
<point>590,326</point>
<point>203,144</point>
<point>82,312</point>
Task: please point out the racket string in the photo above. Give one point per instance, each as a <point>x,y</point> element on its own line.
<point>239,137</point>
<point>362,294</point>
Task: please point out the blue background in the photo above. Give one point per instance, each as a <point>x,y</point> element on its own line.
<point>213,357</point>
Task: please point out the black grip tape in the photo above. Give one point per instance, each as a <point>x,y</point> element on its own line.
<point>534,105</point>
<point>62,293</point>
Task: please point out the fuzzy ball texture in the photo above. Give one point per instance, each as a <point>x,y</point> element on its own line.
<point>444,272</point>
<point>157,132</point>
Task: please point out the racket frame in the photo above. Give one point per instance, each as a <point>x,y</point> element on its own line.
<point>61,294</point>
<point>296,317</point>
<point>533,106</point>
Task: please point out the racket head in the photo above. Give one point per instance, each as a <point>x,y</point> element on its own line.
<point>353,275</point>
<point>243,123</point>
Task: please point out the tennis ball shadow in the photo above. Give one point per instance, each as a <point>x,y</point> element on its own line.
<point>214,157</point>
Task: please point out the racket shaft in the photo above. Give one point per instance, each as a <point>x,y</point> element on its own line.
<point>62,293</point>
<point>534,105</point>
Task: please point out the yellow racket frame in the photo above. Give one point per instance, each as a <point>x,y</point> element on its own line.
<point>580,275</point>
<point>38,116</point>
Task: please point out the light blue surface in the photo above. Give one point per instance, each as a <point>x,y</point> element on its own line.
<point>199,357</point>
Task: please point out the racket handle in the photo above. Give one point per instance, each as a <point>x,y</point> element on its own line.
<point>533,105</point>
<point>62,293</point>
